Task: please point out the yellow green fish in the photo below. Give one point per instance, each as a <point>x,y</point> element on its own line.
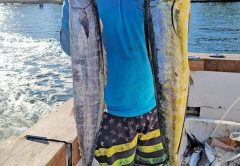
<point>167,36</point>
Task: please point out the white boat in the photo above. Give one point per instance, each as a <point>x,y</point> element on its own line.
<point>216,86</point>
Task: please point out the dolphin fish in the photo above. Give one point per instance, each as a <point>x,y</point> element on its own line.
<point>88,70</point>
<point>166,26</point>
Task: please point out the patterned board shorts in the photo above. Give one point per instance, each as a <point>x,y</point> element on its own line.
<point>129,141</point>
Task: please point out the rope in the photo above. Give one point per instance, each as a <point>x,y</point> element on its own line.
<point>229,109</point>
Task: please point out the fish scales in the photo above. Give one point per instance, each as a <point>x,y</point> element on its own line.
<point>88,71</point>
<point>167,26</point>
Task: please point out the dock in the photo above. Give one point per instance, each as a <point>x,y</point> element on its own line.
<point>216,85</point>
<point>214,62</point>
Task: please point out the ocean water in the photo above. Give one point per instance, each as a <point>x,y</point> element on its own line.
<point>35,75</point>
<point>215,27</point>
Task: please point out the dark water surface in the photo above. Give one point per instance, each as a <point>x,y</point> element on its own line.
<point>36,75</point>
<point>215,27</point>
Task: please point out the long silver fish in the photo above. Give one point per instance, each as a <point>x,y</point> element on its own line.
<point>88,74</point>
<point>167,33</point>
<point>195,157</point>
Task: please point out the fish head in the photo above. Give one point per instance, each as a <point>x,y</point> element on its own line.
<point>175,11</point>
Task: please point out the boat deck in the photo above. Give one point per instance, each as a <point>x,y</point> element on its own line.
<point>212,93</point>
<point>58,124</point>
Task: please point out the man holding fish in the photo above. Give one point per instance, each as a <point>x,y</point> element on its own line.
<point>129,133</point>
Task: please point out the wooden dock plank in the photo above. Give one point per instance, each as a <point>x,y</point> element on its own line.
<point>59,124</point>
<point>196,65</point>
<point>231,63</point>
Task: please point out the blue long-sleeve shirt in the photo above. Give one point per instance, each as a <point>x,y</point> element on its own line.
<point>64,31</point>
<point>130,89</point>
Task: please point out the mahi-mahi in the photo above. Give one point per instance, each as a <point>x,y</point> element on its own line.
<point>167,33</point>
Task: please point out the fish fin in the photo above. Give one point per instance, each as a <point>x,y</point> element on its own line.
<point>197,140</point>
<point>103,54</point>
<point>105,66</point>
<point>172,16</point>
<point>85,23</point>
<point>189,148</point>
<point>191,80</point>
<point>190,139</point>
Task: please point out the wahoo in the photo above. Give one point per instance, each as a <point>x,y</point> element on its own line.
<point>167,35</point>
<point>88,74</point>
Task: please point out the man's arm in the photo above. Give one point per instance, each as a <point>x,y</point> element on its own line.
<point>64,31</point>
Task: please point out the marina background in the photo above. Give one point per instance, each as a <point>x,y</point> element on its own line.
<point>36,75</point>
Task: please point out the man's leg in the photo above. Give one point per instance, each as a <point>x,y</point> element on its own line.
<point>117,141</point>
<point>150,149</point>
